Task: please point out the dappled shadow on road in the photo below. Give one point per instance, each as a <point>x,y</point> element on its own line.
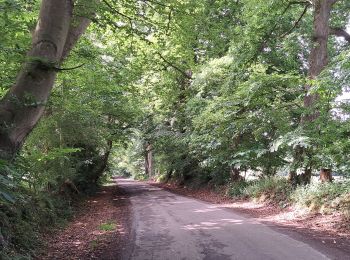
<point>131,189</point>
<point>220,223</point>
<point>318,230</point>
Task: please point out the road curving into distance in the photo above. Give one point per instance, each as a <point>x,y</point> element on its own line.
<point>167,226</point>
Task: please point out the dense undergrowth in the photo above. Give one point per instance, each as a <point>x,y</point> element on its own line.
<point>28,211</point>
<point>23,223</point>
<point>317,197</point>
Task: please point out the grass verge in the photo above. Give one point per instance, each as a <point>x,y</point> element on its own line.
<point>317,197</point>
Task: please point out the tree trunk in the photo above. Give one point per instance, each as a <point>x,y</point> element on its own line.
<point>318,60</point>
<point>292,177</point>
<point>326,175</point>
<point>305,178</point>
<point>148,159</point>
<point>23,105</point>
<point>235,175</point>
<point>2,241</point>
<point>102,162</point>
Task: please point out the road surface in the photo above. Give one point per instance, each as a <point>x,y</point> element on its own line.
<point>169,226</point>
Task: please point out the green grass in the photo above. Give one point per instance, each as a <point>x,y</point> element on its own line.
<point>109,226</point>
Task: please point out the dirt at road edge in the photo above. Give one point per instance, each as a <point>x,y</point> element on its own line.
<point>100,230</point>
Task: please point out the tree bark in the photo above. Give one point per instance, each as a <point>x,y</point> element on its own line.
<point>102,162</point>
<point>77,28</point>
<point>318,60</point>
<point>326,175</point>
<point>23,105</point>
<point>235,175</point>
<point>2,241</point>
<point>305,178</point>
<point>148,159</point>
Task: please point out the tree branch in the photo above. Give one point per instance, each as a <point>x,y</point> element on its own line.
<point>116,11</point>
<point>73,68</point>
<point>295,3</point>
<point>169,21</point>
<point>77,28</point>
<point>339,32</point>
<point>174,66</point>
<point>297,21</point>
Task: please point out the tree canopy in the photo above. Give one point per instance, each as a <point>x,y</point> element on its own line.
<point>187,90</point>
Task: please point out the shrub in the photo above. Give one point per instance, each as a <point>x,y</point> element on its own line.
<point>237,189</point>
<point>272,188</point>
<point>323,197</point>
<point>22,222</point>
<point>141,177</point>
<point>163,178</point>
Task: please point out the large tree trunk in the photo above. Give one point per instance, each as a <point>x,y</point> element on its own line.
<point>55,35</point>
<point>318,60</point>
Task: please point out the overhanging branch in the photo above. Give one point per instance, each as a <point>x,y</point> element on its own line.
<point>73,68</point>
<point>339,32</point>
<point>174,66</point>
<point>297,22</point>
<point>295,3</point>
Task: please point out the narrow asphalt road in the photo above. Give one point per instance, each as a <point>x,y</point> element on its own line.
<point>169,226</point>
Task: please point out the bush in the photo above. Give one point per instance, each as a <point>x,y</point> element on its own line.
<point>163,178</point>
<point>317,197</point>
<point>323,197</point>
<point>273,189</point>
<point>141,177</point>
<point>22,222</point>
<point>237,189</point>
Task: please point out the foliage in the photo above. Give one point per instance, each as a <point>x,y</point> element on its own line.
<point>21,223</point>
<point>237,189</point>
<point>317,197</point>
<point>141,177</point>
<point>323,197</point>
<point>216,88</point>
<point>273,189</point>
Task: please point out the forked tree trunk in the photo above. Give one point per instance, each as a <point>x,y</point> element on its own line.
<point>55,35</point>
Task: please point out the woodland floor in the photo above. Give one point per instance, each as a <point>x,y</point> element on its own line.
<point>84,238</point>
<point>331,229</point>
